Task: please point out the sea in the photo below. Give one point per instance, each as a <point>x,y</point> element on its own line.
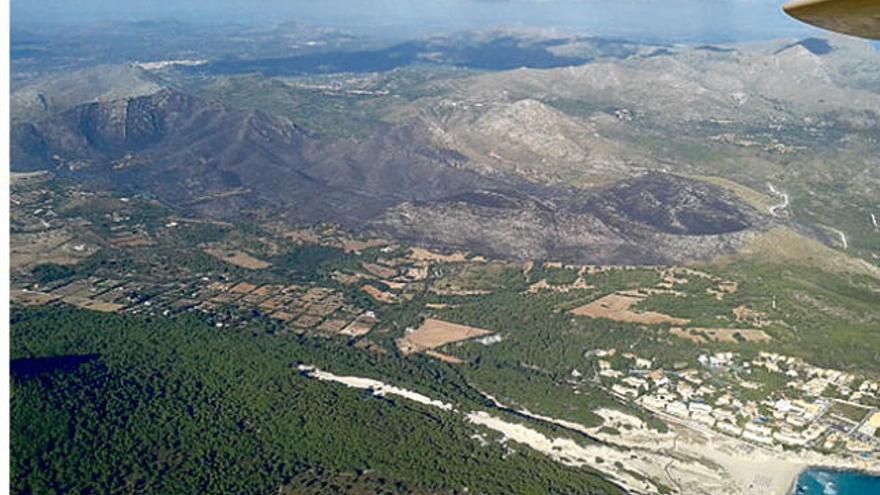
<point>830,482</point>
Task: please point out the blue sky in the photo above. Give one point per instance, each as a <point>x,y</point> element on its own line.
<point>670,19</point>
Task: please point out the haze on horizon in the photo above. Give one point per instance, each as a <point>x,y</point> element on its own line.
<point>673,20</point>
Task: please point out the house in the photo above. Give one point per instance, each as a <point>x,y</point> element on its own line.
<point>692,376</point>
<point>610,373</point>
<point>703,418</point>
<point>729,428</point>
<point>636,383</point>
<point>705,390</point>
<point>758,434</point>
<point>606,370</point>
<point>783,406</point>
<point>815,431</point>
<point>644,364</point>
<point>724,415</point>
<point>870,427</point>
<point>655,402</point>
<point>790,438</point>
<point>684,390</point>
<point>796,420</point>
<point>815,387</point>
<point>604,353</point>
<point>859,446</point>
<point>658,377</point>
<point>721,359</point>
<point>626,392</point>
<point>678,408</point>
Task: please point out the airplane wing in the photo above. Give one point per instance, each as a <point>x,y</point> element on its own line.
<point>854,17</point>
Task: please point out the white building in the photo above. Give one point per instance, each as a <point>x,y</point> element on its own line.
<point>729,428</point>
<point>790,438</point>
<point>724,415</point>
<point>636,383</point>
<point>626,392</point>
<point>643,363</point>
<point>678,408</point>
<point>703,418</point>
<point>758,433</point>
<point>754,437</point>
<point>654,402</point>
<point>609,373</point>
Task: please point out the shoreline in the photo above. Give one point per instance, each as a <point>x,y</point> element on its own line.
<point>792,487</point>
<point>781,470</point>
<point>784,468</point>
<point>874,473</point>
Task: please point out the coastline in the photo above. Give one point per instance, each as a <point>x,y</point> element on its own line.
<point>794,482</point>
<point>786,469</point>
<point>756,470</point>
<point>870,472</point>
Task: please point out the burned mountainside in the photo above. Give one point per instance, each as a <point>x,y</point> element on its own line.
<point>213,159</point>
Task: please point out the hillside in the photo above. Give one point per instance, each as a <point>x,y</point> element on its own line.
<point>390,150</point>
<point>222,161</point>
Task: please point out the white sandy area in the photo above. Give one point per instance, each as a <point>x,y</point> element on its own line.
<point>378,388</point>
<point>692,462</point>
<point>744,469</point>
<point>619,419</point>
<point>567,451</point>
<point>688,460</point>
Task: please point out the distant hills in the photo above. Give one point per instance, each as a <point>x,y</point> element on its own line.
<point>497,50</point>
<point>597,154</point>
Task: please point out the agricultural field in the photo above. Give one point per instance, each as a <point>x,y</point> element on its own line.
<point>238,258</point>
<point>433,334</point>
<point>723,335</point>
<point>617,307</point>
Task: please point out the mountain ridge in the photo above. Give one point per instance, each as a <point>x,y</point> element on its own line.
<point>183,149</point>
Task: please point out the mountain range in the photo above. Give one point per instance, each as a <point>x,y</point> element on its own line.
<point>596,158</point>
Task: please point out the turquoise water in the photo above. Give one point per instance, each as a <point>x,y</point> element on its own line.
<point>829,482</point>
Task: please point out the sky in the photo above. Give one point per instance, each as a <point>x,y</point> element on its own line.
<point>663,19</point>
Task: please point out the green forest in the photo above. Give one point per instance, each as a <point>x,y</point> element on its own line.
<point>177,406</point>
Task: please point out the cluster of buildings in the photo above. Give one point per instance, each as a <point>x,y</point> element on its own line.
<point>769,400</point>
<point>33,207</point>
<point>766,142</point>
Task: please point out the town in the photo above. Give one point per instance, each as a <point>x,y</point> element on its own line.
<point>794,405</point>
